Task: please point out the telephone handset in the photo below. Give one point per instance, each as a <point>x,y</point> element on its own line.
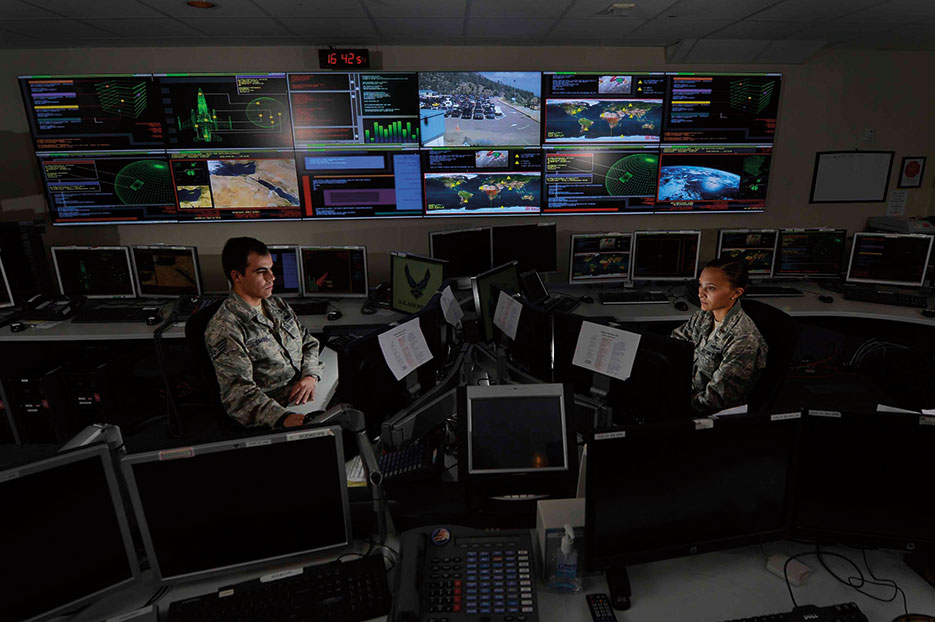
<point>464,574</point>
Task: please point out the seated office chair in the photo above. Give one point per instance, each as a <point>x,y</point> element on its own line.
<point>195,329</point>
<point>781,334</point>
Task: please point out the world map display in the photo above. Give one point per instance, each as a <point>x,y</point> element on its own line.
<point>458,193</point>
<point>603,120</point>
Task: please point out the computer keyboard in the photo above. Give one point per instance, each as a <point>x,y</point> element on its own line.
<point>422,457</point>
<point>845,612</point>
<point>309,307</point>
<point>565,304</point>
<point>340,591</point>
<point>887,298</point>
<point>770,291</point>
<point>633,298</point>
<point>115,313</point>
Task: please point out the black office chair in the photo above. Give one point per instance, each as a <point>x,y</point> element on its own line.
<point>781,334</point>
<point>195,329</point>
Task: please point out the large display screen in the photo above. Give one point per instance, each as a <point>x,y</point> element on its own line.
<point>469,182</point>
<point>713,178</point>
<point>600,181</point>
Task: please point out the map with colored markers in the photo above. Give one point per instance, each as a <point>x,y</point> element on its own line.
<point>454,193</point>
<point>603,120</point>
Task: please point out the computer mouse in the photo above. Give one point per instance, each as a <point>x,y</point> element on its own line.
<point>585,299</point>
<point>334,315</point>
<point>930,312</point>
<point>152,320</point>
<point>18,327</point>
<point>681,305</point>
<point>825,298</point>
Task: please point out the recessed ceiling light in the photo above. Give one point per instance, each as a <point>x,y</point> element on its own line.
<point>201,4</point>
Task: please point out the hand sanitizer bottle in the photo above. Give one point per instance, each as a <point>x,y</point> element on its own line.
<point>564,576</point>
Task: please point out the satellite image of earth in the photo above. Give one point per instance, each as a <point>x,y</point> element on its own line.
<point>697,183</point>
<point>617,120</point>
<point>454,193</point>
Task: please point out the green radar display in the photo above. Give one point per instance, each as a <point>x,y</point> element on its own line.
<point>144,182</point>
<point>633,175</point>
<point>266,113</point>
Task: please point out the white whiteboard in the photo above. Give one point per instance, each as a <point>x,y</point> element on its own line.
<point>851,176</point>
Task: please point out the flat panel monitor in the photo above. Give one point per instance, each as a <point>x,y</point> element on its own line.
<point>600,257</point>
<point>334,271</point>
<point>665,255</point>
<point>479,108</point>
<point>620,107</point>
<point>361,184</point>
<point>467,251</point>
<point>810,253</point>
<point>721,108</point>
<point>64,513</point>
<point>531,347</point>
<point>659,491</point>
<point>486,288</point>
<point>102,187</point>
<point>354,109</point>
<point>888,506</point>
<point>713,178</point>
<point>167,271</point>
<point>889,259</point>
<point>88,113</point>
<point>225,111</point>
<point>287,268</point>
<point>532,246</point>
<point>414,280</point>
<point>588,180</point>
<point>254,184</point>
<point>6,294</point>
<point>94,271</point>
<point>185,498</point>
<point>757,247</point>
<point>517,435</point>
<point>482,182</point>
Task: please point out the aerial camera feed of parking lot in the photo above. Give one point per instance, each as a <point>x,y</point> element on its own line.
<point>482,108</point>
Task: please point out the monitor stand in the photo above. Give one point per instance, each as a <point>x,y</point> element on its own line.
<point>618,585</point>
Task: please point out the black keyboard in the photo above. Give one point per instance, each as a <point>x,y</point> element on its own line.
<point>422,457</point>
<point>565,304</point>
<point>309,307</point>
<point>770,291</point>
<point>633,298</point>
<point>887,298</point>
<point>845,612</point>
<point>340,591</point>
<point>115,313</point>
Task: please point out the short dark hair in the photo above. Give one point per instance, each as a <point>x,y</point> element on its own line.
<point>734,267</point>
<point>236,250</point>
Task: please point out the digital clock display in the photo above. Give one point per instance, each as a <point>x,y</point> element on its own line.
<point>344,59</point>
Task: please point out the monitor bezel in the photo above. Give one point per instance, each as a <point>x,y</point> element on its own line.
<point>136,274</point>
<point>572,280</point>
<point>772,262</point>
<point>298,262</point>
<point>102,452</point>
<point>801,275</point>
<point>399,256</point>
<point>914,236</point>
<point>308,294</point>
<point>182,453</point>
<point>130,270</point>
<point>647,233</point>
<point>6,282</point>
<point>475,290</point>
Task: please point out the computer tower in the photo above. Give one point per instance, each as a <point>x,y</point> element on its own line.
<point>29,405</point>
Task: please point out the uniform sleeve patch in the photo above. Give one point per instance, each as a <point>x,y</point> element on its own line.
<point>218,348</point>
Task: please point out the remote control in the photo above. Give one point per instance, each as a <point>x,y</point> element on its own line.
<point>599,604</point>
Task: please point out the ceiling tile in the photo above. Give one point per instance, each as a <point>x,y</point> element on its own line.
<point>433,29</point>
<point>224,8</point>
<point>143,28</point>
<point>644,9</point>
<point>792,51</point>
<point>417,8</point>
<point>508,29</point>
<point>894,12</point>
<point>717,9</point>
<point>60,29</point>
<point>812,10</point>
<point>666,29</point>
<point>83,8</point>
<point>526,9</point>
<point>749,29</point>
<point>837,31</point>
<point>312,8</point>
<point>21,10</point>
<point>232,26</point>
<point>331,27</point>
<point>594,27</point>
<point>724,51</point>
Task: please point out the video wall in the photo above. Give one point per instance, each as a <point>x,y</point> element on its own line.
<point>332,145</point>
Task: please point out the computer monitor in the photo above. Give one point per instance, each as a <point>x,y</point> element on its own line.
<point>287,268</point>
<point>506,278</point>
<point>334,271</point>
<point>600,257</point>
<point>167,271</point>
<point>467,251</point>
<point>288,491</point>
<point>414,280</point>
<point>756,246</point>
<point>886,504</point>
<point>805,253</point>
<point>530,349</point>
<point>94,271</point>
<point>889,259</point>
<point>659,386</point>
<point>600,181</point>
<point>713,178</point>
<point>516,437</point>
<point>6,294</point>
<point>659,491</point>
<point>67,541</point>
<point>665,255</point>
<point>531,246</point>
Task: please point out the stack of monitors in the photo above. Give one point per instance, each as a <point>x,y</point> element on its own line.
<point>343,145</point>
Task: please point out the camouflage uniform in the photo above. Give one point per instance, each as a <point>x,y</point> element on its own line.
<point>258,359</point>
<point>727,363</point>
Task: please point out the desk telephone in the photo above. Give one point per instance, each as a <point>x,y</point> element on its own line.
<point>458,573</point>
<point>47,308</point>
